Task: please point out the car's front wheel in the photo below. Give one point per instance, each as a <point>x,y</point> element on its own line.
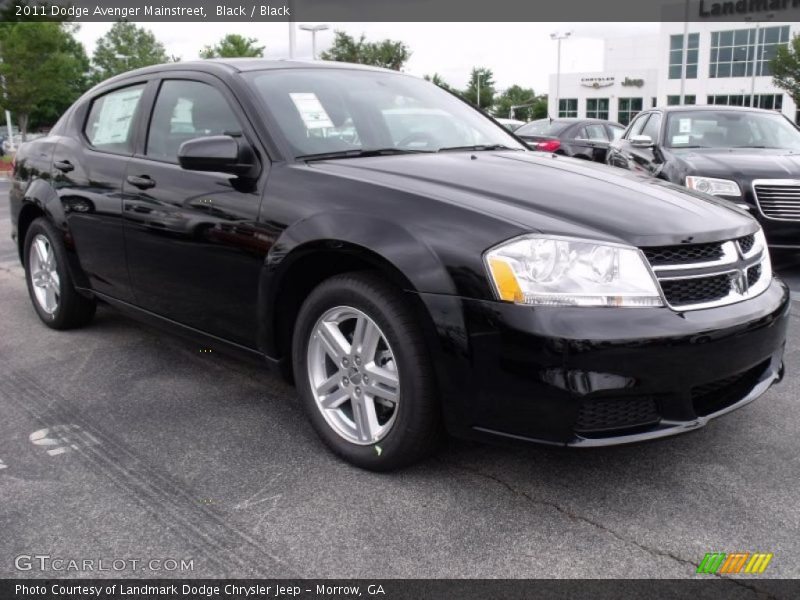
<point>364,374</point>
<point>50,286</point>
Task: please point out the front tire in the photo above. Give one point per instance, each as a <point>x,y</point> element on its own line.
<point>50,286</point>
<point>364,374</point>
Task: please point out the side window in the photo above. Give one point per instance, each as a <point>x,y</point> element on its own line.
<point>109,125</point>
<point>653,126</point>
<point>616,132</point>
<point>580,134</point>
<point>596,132</point>
<point>638,125</point>
<point>185,110</point>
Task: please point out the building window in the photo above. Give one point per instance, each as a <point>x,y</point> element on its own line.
<point>597,108</point>
<point>676,100</point>
<point>676,55</point>
<point>767,101</point>
<point>628,108</point>
<point>568,107</point>
<point>654,102</point>
<point>734,52</point>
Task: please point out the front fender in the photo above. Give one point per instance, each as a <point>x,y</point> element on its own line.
<point>400,247</point>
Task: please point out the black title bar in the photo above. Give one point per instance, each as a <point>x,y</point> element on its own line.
<point>404,10</point>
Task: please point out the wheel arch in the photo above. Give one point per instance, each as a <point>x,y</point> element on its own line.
<point>41,200</point>
<point>327,246</point>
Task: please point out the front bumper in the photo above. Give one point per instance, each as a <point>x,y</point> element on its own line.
<point>596,376</point>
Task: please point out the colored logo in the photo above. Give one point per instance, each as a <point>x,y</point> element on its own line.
<point>737,562</point>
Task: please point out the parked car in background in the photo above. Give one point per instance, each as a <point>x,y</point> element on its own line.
<point>582,138</point>
<point>404,259</point>
<point>746,155</point>
<point>510,124</point>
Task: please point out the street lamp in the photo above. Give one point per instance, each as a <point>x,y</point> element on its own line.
<point>314,29</point>
<point>558,37</point>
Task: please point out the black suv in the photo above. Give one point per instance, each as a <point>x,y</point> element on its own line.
<point>399,255</point>
<point>748,156</point>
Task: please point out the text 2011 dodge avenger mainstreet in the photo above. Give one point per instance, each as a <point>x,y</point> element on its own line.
<point>399,254</point>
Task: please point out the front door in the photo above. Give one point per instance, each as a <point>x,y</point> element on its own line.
<point>195,249</point>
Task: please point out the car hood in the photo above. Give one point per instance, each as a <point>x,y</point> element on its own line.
<point>741,164</point>
<point>556,195</point>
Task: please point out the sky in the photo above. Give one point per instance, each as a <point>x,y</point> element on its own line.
<point>518,53</point>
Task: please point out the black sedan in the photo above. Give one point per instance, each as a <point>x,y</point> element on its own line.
<point>410,279</point>
<point>745,155</point>
<point>581,138</point>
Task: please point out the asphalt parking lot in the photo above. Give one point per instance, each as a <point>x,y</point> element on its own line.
<point>121,442</point>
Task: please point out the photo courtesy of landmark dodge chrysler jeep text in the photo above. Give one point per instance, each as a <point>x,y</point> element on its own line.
<point>400,255</point>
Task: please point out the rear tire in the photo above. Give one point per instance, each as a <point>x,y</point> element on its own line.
<point>50,286</point>
<point>373,400</point>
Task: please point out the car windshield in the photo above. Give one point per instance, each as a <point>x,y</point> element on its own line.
<point>730,129</point>
<point>352,112</point>
<point>543,127</point>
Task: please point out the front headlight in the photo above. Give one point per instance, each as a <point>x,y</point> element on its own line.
<point>715,187</point>
<point>552,271</point>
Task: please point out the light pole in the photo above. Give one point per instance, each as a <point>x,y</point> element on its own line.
<point>558,37</point>
<point>478,80</point>
<point>314,29</point>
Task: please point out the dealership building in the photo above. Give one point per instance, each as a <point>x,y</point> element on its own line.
<point>725,63</point>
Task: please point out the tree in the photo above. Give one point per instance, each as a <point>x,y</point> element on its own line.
<point>438,80</point>
<point>486,79</point>
<point>786,68</point>
<point>44,69</point>
<point>233,45</point>
<point>389,54</point>
<point>528,105</point>
<point>126,47</point>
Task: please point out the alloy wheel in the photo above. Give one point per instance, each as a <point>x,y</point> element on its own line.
<point>44,274</point>
<point>353,375</point>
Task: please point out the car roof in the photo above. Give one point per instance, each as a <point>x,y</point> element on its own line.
<point>574,120</point>
<point>709,108</point>
<point>241,65</point>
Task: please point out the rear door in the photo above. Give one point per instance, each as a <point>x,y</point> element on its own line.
<point>89,165</point>
<point>591,140</point>
<point>194,245</point>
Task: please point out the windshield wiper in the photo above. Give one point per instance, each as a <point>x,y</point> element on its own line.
<point>478,148</point>
<point>359,153</point>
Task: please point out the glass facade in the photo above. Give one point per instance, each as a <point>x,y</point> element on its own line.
<point>568,107</point>
<point>768,101</point>
<point>676,100</point>
<point>734,53</point>
<point>597,108</point>
<point>628,108</point>
<point>676,55</point>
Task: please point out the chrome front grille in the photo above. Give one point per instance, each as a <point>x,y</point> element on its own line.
<point>694,276</point>
<point>778,198</point>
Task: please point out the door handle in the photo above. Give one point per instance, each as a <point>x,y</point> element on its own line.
<point>64,166</point>
<point>144,182</point>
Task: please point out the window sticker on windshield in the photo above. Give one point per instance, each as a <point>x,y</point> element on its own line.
<point>311,110</point>
<point>685,125</point>
<point>680,139</point>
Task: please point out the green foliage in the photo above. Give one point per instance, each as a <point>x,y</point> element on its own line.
<point>528,105</point>
<point>126,47</point>
<point>786,68</point>
<point>486,79</point>
<point>389,54</point>
<point>233,45</point>
<point>438,80</point>
<point>44,68</point>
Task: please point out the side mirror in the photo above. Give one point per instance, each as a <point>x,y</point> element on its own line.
<point>641,141</point>
<point>220,153</point>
